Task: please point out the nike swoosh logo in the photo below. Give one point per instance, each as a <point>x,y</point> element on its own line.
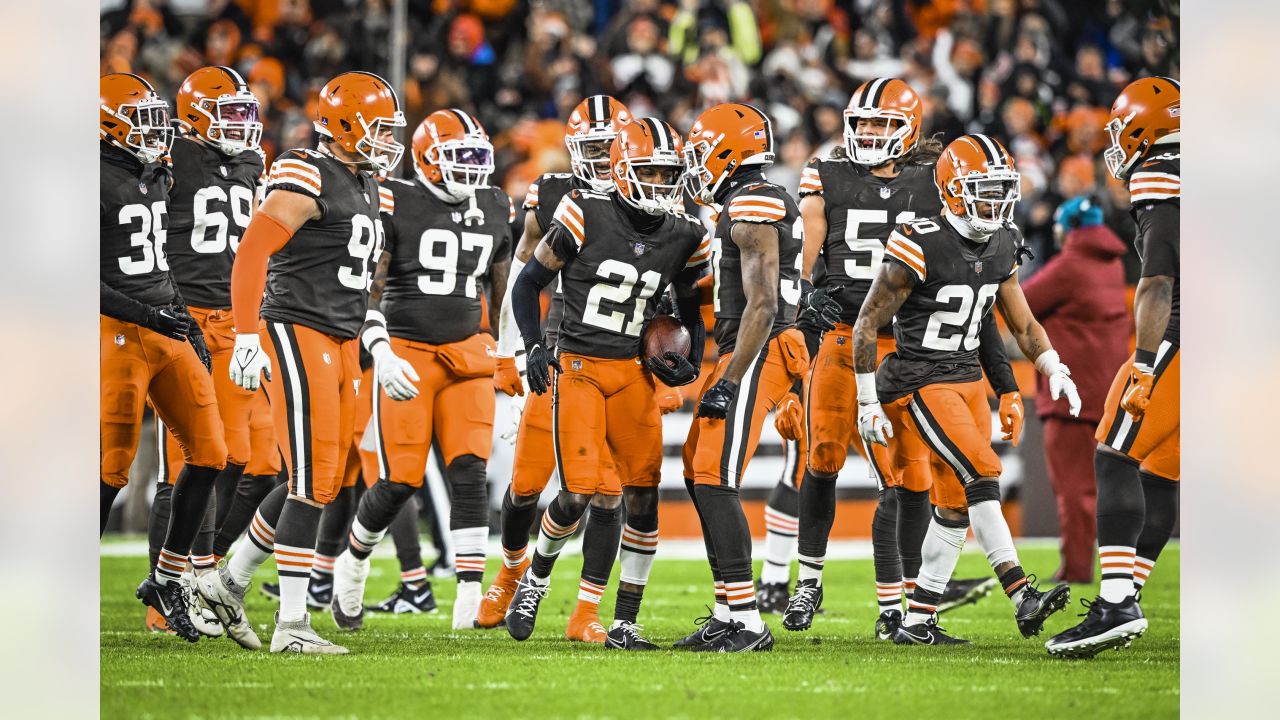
<point>417,599</point>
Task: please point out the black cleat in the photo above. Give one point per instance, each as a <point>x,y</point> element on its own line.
<point>965,592</point>
<point>803,605</point>
<point>523,611</point>
<point>887,624</point>
<point>709,630</point>
<point>1106,626</point>
<point>170,601</point>
<point>1037,606</point>
<point>407,601</point>
<point>927,633</point>
<point>319,592</point>
<point>626,636</point>
<point>739,639</point>
<point>772,598</point>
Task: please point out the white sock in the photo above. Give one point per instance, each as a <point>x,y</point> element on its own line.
<point>362,540</point>
<point>169,567</point>
<point>739,594</point>
<point>1118,563</point>
<point>779,546</point>
<point>294,565</point>
<point>992,533</point>
<point>1142,568</point>
<point>811,568</point>
<point>941,550</point>
<point>469,549</point>
<point>721,611</point>
<point>749,618</point>
<point>251,551</point>
<point>636,554</point>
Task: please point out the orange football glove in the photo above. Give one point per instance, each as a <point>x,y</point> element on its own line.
<point>1011,415</point>
<point>507,378</point>
<point>788,417</point>
<point>669,399</point>
<point>1138,395</point>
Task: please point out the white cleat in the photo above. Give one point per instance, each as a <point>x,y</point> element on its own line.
<point>219,593</point>
<point>349,575</point>
<point>202,618</point>
<point>466,606</point>
<point>298,637</point>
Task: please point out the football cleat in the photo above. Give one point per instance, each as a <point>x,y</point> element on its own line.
<point>738,639</point>
<point>319,592</point>
<point>219,593</point>
<point>155,622</point>
<point>172,602</point>
<point>493,607</point>
<point>349,574</point>
<point>803,605</point>
<point>1106,626</point>
<point>1037,606</point>
<point>965,592</point>
<point>709,630</point>
<point>772,598</point>
<point>887,624</point>
<point>298,637</point>
<point>202,618</point>
<point>407,600</point>
<point>466,605</point>
<point>626,636</point>
<point>926,633</point>
<point>523,611</point>
<point>584,624</point>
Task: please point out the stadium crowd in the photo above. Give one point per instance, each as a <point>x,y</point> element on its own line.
<point>1038,74</point>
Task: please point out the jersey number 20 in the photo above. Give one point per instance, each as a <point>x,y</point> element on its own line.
<point>963,322</point>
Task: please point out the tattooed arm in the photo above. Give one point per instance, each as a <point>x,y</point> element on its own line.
<point>1026,330</point>
<point>890,289</point>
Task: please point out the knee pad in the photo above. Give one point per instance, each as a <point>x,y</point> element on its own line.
<point>470,490</point>
<point>573,504</point>
<point>981,491</point>
<point>828,457</point>
<point>381,503</point>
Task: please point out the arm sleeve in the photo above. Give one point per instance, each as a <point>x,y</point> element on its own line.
<point>509,341</point>
<point>995,361</point>
<point>117,305</point>
<point>1158,236</point>
<point>264,237</point>
<point>524,303</point>
<point>690,309</point>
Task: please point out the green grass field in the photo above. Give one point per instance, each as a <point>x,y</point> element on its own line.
<point>419,667</point>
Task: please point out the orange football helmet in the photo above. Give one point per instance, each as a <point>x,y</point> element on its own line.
<point>724,138</point>
<point>357,111</point>
<point>133,117</point>
<point>215,105</point>
<point>589,134</point>
<point>978,183</point>
<point>1147,113</point>
<point>648,143</point>
<point>451,149</point>
<point>893,101</point>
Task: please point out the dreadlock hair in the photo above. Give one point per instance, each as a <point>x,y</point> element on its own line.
<point>925,152</point>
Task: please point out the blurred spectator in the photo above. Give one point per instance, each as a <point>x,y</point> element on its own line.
<point>1079,297</point>
<point>642,74</point>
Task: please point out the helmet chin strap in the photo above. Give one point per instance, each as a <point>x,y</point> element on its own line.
<point>965,228</point>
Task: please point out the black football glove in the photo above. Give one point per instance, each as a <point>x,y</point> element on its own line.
<point>538,359</point>
<point>196,338</point>
<point>715,402</point>
<point>167,321</point>
<point>682,373</point>
<point>664,305</point>
<point>822,308</point>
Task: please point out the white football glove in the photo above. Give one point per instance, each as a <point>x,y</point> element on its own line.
<point>394,373</point>
<point>248,361</point>
<point>1059,380</point>
<point>517,407</point>
<point>873,426</point>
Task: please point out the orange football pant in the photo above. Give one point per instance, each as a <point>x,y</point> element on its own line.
<point>1155,439</point>
<point>831,409</point>
<point>535,455</point>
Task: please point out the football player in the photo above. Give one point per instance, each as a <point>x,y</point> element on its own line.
<point>310,246</point>
<point>151,348</point>
<point>616,253</point>
<point>217,168</point>
<point>881,176</point>
<point>448,244</point>
<point>756,255</point>
<point>1139,443</point>
<point>940,277</point>
<point>589,134</point>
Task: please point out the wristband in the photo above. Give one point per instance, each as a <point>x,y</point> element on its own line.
<point>1048,363</point>
<point>374,330</point>
<point>1144,360</point>
<point>867,388</point>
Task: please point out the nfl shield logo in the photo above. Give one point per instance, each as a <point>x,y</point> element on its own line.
<point>356,383</point>
<point>457,217</point>
<point>223,168</point>
<point>327,359</point>
<point>639,249</point>
<point>885,193</point>
<point>576,365</point>
<point>840,340</point>
<point>120,340</point>
<point>977,267</point>
<point>142,187</point>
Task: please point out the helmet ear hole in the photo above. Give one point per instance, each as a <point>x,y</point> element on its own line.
<point>346,126</point>
<point>724,154</point>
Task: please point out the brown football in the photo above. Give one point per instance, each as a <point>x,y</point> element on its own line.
<point>664,334</point>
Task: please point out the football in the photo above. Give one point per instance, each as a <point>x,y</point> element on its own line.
<point>664,334</point>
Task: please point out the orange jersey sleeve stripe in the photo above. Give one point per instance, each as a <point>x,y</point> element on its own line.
<point>386,201</point>
<point>570,216</point>
<point>908,253</point>
<point>531,196</point>
<point>288,177</point>
<point>810,181</point>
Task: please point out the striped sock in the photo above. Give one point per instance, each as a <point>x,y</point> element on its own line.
<point>589,591</point>
<point>1014,582</point>
<point>1118,563</point>
<point>889,596</point>
<point>200,563</point>
<point>415,577</point>
<point>251,551</point>
<point>512,559</point>
<point>811,568</point>
<point>556,530</point>
<point>908,586</point>
<point>322,566</point>
<point>294,567</point>
<point>721,612</point>
<point>469,552</point>
<point>1142,568</point>
<point>362,540</point>
<point>169,567</point>
<point>781,530</point>
<point>636,555</point>
<point>941,550</point>
<point>742,604</point>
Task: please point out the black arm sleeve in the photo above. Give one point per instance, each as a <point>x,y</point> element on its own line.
<point>524,300</point>
<point>691,317</point>
<point>117,305</point>
<point>995,361</point>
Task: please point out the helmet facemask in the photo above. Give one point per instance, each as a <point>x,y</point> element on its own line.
<point>378,145</point>
<point>1117,158</point>
<point>465,166</point>
<point>873,149</point>
<point>234,124</point>
<point>655,195</point>
<point>589,159</point>
<point>700,180</point>
<point>998,191</point>
<point>150,135</point>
